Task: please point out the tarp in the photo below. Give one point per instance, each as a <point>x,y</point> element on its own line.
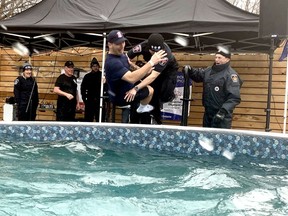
<point>230,25</point>
<point>137,16</point>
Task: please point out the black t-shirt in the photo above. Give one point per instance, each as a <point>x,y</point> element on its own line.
<point>67,84</point>
<point>143,49</point>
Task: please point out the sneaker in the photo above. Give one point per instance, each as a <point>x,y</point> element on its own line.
<point>144,108</point>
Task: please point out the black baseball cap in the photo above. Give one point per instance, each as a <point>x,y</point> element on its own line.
<point>69,64</point>
<point>116,37</point>
<point>156,42</point>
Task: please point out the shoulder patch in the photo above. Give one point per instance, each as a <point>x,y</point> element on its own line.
<point>16,81</point>
<point>234,77</point>
<point>137,49</point>
<point>164,62</point>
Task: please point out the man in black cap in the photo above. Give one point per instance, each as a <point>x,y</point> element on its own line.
<point>23,87</point>
<point>221,90</point>
<point>90,92</point>
<point>164,76</point>
<point>66,89</point>
<point>121,80</point>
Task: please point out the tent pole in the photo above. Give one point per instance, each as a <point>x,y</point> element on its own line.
<point>186,95</point>
<point>102,84</point>
<point>268,109</point>
<point>286,95</point>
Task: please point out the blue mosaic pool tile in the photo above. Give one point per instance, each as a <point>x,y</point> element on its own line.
<point>176,140</point>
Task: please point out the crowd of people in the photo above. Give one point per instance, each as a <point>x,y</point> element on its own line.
<point>139,88</point>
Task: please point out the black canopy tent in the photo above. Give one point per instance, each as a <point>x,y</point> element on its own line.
<point>77,22</point>
<point>226,23</point>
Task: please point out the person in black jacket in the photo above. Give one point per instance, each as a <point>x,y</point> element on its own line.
<point>91,92</point>
<point>23,87</point>
<point>221,90</point>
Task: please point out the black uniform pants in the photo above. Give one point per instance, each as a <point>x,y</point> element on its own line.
<point>30,115</point>
<point>163,86</point>
<point>209,120</point>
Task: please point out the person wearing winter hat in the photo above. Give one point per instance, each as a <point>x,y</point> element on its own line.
<point>91,92</point>
<point>66,89</point>
<point>221,89</point>
<point>162,79</point>
<point>26,94</point>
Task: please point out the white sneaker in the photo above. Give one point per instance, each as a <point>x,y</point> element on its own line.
<point>144,108</point>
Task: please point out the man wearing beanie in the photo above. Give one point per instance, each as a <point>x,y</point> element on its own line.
<point>24,85</point>
<point>164,76</point>
<point>123,89</point>
<point>90,92</point>
<point>66,89</point>
<point>221,90</point>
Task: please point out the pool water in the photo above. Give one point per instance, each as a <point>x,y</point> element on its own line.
<point>74,178</point>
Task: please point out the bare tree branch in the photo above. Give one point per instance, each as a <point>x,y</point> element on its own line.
<point>10,8</point>
<point>252,6</point>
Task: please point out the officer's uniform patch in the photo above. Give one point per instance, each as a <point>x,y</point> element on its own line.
<point>137,49</point>
<point>163,62</point>
<point>234,77</point>
<point>16,81</point>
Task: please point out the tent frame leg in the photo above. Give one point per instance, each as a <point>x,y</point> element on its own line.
<point>268,109</point>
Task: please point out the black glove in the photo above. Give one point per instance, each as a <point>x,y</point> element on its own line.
<point>220,115</point>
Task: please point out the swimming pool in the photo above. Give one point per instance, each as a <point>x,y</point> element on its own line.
<point>112,169</point>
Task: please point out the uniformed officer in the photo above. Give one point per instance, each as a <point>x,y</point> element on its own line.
<point>23,87</point>
<point>66,89</point>
<point>221,90</point>
<point>164,73</point>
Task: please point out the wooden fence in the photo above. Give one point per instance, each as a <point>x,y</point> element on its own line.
<point>252,68</point>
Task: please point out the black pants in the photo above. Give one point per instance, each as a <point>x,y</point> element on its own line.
<point>30,115</point>
<point>208,120</point>
<point>92,109</point>
<point>163,86</point>
<point>66,110</point>
<point>139,118</point>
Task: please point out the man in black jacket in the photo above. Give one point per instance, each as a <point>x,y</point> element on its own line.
<point>221,90</point>
<point>23,87</point>
<point>90,92</point>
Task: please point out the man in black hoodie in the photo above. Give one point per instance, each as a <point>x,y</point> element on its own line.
<point>90,92</point>
<point>23,87</point>
<point>221,90</point>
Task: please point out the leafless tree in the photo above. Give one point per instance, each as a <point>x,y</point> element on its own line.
<point>252,6</point>
<point>9,8</point>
